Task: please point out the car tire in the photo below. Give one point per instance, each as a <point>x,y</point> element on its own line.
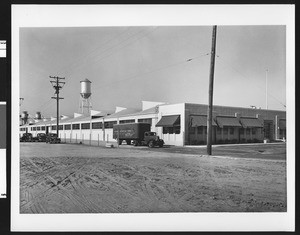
<point>151,144</point>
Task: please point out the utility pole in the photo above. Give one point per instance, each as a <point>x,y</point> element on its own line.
<point>57,85</point>
<point>266,88</point>
<point>210,90</point>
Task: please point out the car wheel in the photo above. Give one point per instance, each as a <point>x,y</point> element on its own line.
<point>151,144</point>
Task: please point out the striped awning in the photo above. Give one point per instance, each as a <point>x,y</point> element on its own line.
<point>228,121</point>
<point>282,124</point>
<point>251,122</point>
<point>200,121</point>
<point>169,121</point>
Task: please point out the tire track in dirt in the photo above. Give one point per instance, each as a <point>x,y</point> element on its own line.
<point>74,198</point>
<point>124,188</point>
<point>163,193</point>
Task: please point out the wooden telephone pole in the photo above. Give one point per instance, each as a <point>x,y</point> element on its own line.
<point>210,90</point>
<point>57,85</point>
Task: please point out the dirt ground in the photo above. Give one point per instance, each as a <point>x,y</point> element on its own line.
<point>68,178</point>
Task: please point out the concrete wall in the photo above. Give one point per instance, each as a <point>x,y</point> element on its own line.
<point>167,110</point>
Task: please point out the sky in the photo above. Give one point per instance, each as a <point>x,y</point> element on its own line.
<point>166,64</point>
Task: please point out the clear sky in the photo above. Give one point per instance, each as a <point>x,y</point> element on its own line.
<point>129,64</point>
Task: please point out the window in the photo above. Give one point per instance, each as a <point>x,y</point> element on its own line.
<point>38,128</point>
<point>231,130</point>
<point>34,128</point>
<point>146,120</point>
<point>109,124</point>
<point>192,130</point>
<point>53,128</point>
<point>60,127</point>
<point>97,125</point>
<point>75,126</point>
<point>85,126</point>
<point>43,128</point>
<point>253,131</point>
<point>168,130</point>
<point>200,129</point>
<point>219,131</point>
<point>248,131</point>
<point>177,129</point>
<point>127,121</point>
<point>68,127</point>
<point>225,130</point>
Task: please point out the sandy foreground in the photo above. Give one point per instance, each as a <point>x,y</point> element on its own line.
<point>69,178</point>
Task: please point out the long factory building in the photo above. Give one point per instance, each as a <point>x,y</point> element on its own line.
<point>177,124</point>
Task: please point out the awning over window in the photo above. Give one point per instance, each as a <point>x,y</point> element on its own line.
<point>169,121</point>
<point>228,121</point>
<point>282,124</point>
<point>200,121</point>
<point>251,122</point>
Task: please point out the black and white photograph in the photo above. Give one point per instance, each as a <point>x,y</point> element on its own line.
<point>132,119</point>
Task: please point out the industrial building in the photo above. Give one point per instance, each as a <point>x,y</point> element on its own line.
<point>177,124</point>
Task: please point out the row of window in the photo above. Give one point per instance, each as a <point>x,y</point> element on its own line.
<point>34,128</point>
<point>226,130</point>
<point>84,126</point>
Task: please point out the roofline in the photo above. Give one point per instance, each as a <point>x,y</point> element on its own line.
<point>225,106</point>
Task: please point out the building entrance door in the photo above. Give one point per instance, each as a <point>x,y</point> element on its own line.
<point>268,129</point>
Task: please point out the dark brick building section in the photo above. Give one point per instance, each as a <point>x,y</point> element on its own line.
<point>269,118</point>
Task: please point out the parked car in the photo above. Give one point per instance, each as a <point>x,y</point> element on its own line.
<point>41,137</point>
<point>52,138</point>
<point>26,137</point>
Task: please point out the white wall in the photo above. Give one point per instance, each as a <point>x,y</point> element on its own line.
<point>172,109</point>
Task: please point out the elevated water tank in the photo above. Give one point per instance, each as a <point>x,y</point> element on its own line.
<point>85,91</point>
<point>38,115</point>
<point>24,117</point>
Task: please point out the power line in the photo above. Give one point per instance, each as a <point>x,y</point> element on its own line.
<point>244,77</point>
<point>102,54</point>
<point>152,71</point>
<point>130,42</point>
<point>93,51</point>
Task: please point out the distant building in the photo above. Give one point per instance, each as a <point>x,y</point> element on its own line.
<point>177,124</point>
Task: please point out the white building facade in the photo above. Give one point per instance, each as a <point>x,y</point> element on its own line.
<point>177,124</point>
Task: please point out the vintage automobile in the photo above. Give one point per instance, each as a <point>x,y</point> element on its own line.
<point>27,137</point>
<point>41,137</point>
<point>52,138</point>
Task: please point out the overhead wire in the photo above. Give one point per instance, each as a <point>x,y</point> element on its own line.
<point>152,71</point>
<point>124,46</point>
<point>102,53</point>
<point>93,51</point>
<point>245,78</point>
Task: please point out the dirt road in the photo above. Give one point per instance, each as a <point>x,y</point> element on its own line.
<point>81,179</point>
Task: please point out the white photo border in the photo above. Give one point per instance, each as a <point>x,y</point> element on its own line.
<point>154,15</point>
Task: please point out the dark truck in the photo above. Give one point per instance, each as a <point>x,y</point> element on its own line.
<point>138,133</point>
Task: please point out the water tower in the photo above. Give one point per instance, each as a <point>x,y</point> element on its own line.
<point>38,116</point>
<point>85,96</point>
<point>24,117</point>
